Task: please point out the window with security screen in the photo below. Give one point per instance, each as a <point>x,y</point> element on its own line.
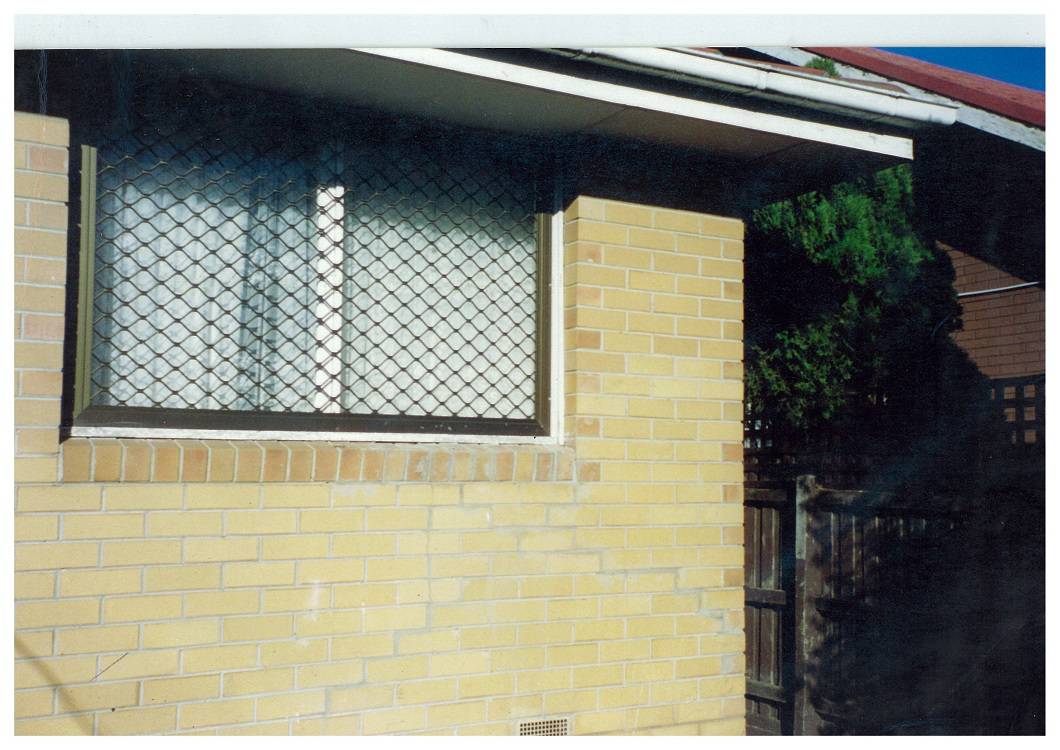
<point>273,264</point>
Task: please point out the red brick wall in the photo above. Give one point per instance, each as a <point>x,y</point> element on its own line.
<point>1004,332</point>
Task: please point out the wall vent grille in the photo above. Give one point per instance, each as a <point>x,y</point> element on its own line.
<point>544,728</point>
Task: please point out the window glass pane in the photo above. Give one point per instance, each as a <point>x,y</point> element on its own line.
<point>268,256</point>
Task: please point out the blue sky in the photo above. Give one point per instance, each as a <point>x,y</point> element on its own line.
<point>1024,66</point>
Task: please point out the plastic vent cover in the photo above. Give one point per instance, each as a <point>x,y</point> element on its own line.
<point>544,728</point>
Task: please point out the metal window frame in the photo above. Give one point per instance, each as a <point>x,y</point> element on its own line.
<point>148,422</point>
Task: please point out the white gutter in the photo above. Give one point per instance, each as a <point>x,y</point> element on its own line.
<point>637,98</point>
<point>998,289</point>
<point>710,69</point>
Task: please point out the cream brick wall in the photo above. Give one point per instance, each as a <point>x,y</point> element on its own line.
<point>242,587</point>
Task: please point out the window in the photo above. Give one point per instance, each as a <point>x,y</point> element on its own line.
<point>261,263</point>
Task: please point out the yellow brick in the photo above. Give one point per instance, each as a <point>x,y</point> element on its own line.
<point>331,520</point>
<point>285,706</point>
<point>559,656</point>
<point>598,675</point>
<point>658,671</point>
<point>219,712</point>
<point>196,523</point>
<point>33,645</point>
<point>651,238</point>
<point>395,618</point>
<point>362,645</point>
<point>35,128</point>
<point>219,549</point>
<point>572,608</point>
<point>599,630</point>
<point>223,496</point>
<point>570,701</point>
<point>260,522</point>
<point>138,721</point>
<point>54,613</point>
<point>330,725</point>
<point>330,571</point>
<point>295,547</point>
<point>34,585</point>
<point>723,269</point>
<point>542,680</point>
<point>42,672</point>
<point>94,640</point>
<point>33,703</point>
<point>35,299</point>
<point>258,628</point>
<point>296,496</point>
<point>625,650</point>
<point>363,494</point>
<point>143,497</point>
<point>104,526</point>
<point>36,528</point>
<point>619,697</point>
<point>180,578</point>
<point>395,720</point>
<point>701,667</point>
<point>393,519</point>
<point>545,633</point>
<point>141,553</point>
<point>62,725</point>
<point>258,681</point>
<point>594,231</point>
<point>625,213</point>
<point>258,574</point>
<point>136,608</point>
<point>401,668</point>
<point>678,221</point>
<point>219,658</point>
<point>399,568</point>
<point>670,691</point>
<point>517,659</point>
<point>36,470</point>
<point>429,642</point>
<point>456,713</point>
<point>365,595</point>
<point>329,623</point>
<point>181,689</point>
<point>331,674</point>
<point>206,603</point>
<point>140,664</point>
<point>489,637</point>
<point>294,652</point>
<point>184,633</point>
<point>37,441</point>
<point>101,695</point>
<point>56,498</point>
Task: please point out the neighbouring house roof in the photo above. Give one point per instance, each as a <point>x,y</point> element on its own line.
<point>1002,110</point>
<point>1004,99</point>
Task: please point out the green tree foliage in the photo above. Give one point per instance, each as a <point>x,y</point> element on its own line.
<point>846,304</point>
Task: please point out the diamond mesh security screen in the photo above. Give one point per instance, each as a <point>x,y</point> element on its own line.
<point>250,258</point>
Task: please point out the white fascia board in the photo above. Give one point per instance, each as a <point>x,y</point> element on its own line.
<point>974,117</point>
<point>635,98</point>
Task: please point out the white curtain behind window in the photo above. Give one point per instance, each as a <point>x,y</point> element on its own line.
<point>336,276</point>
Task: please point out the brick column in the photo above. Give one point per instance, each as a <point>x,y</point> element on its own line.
<point>654,395</point>
<point>41,193</point>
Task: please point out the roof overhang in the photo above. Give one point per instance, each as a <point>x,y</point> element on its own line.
<point>465,88</point>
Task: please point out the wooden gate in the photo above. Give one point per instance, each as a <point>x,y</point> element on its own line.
<point>818,562</point>
<point>862,610</point>
<point>769,606</point>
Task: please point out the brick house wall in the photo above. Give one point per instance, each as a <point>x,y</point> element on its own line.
<point>169,586</point>
<point>1004,333</point>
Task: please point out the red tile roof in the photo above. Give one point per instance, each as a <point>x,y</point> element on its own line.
<point>1005,99</point>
